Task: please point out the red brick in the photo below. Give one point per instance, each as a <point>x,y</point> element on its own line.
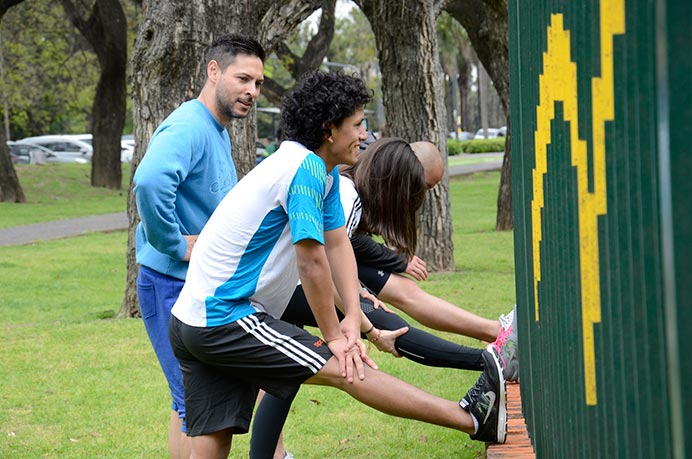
<point>518,444</point>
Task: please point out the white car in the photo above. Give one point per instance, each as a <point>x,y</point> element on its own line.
<point>492,133</point>
<point>463,135</point>
<point>30,153</point>
<point>127,151</point>
<point>127,145</point>
<point>86,138</point>
<point>63,145</point>
<point>127,148</point>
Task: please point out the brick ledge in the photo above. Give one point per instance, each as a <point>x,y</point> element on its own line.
<point>518,444</point>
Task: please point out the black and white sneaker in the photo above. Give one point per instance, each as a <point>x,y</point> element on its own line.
<point>486,401</point>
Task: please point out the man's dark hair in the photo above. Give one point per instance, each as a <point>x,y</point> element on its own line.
<point>224,49</point>
<point>318,99</point>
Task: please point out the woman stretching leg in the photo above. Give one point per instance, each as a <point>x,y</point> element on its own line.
<point>409,342</point>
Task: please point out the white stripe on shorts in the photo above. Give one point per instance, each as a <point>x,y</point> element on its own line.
<point>285,344</point>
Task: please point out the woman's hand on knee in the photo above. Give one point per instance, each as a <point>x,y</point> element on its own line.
<point>417,269</point>
<point>376,303</point>
<point>385,340</point>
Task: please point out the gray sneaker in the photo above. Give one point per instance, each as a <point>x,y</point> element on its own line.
<point>507,345</point>
<point>486,401</point>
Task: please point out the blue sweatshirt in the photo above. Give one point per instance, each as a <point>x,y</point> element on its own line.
<point>185,173</point>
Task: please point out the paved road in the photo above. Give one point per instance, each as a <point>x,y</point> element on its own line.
<point>59,229</point>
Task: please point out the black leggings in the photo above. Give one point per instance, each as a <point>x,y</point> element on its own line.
<point>416,345</point>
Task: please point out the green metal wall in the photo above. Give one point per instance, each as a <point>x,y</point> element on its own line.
<point>601,123</point>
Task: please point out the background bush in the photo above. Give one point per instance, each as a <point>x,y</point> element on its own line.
<point>454,147</point>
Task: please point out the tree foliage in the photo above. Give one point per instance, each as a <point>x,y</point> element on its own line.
<point>50,72</point>
<point>353,43</point>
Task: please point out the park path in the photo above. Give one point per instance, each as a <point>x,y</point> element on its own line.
<point>58,229</point>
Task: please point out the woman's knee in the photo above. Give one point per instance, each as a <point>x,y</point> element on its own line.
<point>405,292</point>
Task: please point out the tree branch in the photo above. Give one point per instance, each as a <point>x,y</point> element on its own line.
<point>6,5</point>
<point>273,91</point>
<point>318,46</point>
<point>485,22</point>
<point>315,51</point>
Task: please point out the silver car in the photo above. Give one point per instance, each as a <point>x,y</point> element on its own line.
<point>63,146</point>
<point>29,153</point>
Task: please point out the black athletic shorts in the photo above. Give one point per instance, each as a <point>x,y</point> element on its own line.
<point>224,367</point>
<point>373,278</point>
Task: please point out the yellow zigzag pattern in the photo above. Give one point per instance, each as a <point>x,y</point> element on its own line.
<point>558,82</point>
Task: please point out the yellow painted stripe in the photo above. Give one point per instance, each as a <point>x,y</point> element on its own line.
<point>558,82</point>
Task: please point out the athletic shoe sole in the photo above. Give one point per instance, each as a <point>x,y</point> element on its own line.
<point>502,405</point>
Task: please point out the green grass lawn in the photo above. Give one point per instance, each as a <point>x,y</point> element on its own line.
<point>458,160</point>
<point>57,191</point>
<point>79,383</point>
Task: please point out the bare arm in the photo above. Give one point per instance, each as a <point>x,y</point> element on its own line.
<point>313,268</point>
<point>345,275</point>
<point>190,244</point>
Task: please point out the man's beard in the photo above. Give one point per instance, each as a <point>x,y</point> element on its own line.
<point>228,111</point>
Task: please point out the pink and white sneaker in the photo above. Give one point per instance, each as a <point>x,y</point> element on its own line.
<point>507,346</point>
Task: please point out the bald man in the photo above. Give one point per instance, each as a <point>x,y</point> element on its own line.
<point>431,159</point>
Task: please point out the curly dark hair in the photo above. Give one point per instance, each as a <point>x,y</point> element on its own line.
<point>391,184</point>
<point>318,100</point>
<point>224,49</point>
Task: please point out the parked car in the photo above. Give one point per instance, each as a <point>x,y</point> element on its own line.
<point>63,145</point>
<point>20,153</point>
<point>492,133</point>
<point>126,153</point>
<point>86,138</point>
<point>127,148</point>
<point>127,144</point>
<point>29,153</point>
<point>128,139</point>
<point>463,135</point>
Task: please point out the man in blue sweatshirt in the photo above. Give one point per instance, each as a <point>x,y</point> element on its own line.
<point>186,172</point>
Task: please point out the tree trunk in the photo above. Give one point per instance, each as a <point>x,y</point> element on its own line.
<point>169,68</point>
<point>105,29</point>
<point>110,102</point>
<point>10,189</point>
<point>406,41</point>
<point>468,114</point>
<point>483,98</point>
<point>485,22</point>
<point>504,220</point>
